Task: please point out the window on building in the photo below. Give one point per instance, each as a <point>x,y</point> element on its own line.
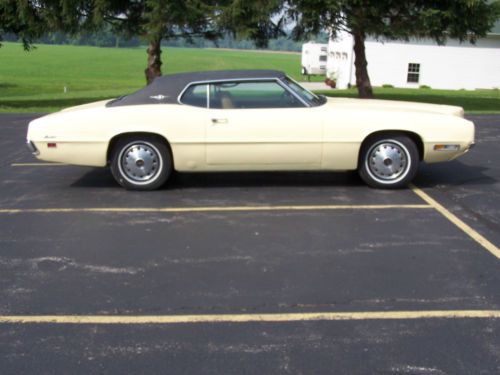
<point>322,58</point>
<point>413,73</point>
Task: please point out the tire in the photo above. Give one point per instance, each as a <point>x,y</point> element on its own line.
<point>141,162</point>
<point>304,71</point>
<point>388,161</point>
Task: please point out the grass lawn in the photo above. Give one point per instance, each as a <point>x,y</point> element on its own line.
<point>35,81</point>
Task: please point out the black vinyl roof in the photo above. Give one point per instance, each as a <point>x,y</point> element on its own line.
<point>166,89</point>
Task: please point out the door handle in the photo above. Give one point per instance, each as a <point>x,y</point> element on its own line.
<point>219,121</point>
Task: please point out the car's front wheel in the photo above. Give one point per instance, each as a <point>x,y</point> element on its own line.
<point>141,162</point>
<point>389,161</point>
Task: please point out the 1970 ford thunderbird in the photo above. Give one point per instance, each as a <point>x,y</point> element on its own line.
<point>257,120</point>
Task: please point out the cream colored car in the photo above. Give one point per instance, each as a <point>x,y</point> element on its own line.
<point>249,121</point>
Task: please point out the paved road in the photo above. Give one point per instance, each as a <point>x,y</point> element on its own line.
<point>244,263</point>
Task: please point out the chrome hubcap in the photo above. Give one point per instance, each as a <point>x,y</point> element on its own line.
<point>387,161</point>
<point>140,162</point>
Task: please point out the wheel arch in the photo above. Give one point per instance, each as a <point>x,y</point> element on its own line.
<point>113,141</point>
<point>416,138</point>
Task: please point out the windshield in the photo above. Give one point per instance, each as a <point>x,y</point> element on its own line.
<point>306,95</point>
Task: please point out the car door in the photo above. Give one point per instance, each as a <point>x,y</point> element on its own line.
<point>261,125</point>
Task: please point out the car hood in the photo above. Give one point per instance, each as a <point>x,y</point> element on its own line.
<point>394,106</point>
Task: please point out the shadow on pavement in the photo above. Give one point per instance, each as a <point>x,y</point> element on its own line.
<point>102,178</point>
<point>453,173</point>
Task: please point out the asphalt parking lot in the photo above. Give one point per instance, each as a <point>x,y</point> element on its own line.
<point>254,273</point>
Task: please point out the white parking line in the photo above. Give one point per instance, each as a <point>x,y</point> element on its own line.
<point>249,318</point>
<point>459,223</point>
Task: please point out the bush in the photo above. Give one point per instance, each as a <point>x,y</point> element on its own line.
<point>424,87</point>
<point>387,86</point>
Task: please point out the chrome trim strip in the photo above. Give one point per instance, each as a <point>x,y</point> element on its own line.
<point>298,84</point>
<point>188,86</point>
<point>208,95</point>
<point>32,148</point>
<point>297,96</point>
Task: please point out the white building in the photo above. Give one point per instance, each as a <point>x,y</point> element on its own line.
<point>420,62</point>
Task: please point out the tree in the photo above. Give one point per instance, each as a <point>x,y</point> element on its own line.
<point>465,20</point>
<point>157,20</point>
<point>153,20</point>
<point>21,19</point>
<point>257,20</point>
<point>29,20</point>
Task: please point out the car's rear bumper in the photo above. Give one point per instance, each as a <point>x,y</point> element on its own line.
<point>92,154</point>
<point>32,148</point>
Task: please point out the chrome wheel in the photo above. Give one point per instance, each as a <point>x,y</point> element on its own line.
<point>388,161</point>
<point>140,162</point>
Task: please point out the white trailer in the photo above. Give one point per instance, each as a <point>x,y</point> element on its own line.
<point>314,58</point>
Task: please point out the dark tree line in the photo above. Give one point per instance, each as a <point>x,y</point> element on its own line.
<point>157,21</point>
<point>108,38</point>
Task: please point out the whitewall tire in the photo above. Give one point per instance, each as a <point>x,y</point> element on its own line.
<point>141,162</point>
<point>389,161</point>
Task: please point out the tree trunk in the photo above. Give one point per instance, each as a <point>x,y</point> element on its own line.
<point>362,79</point>
<point>154,60</point>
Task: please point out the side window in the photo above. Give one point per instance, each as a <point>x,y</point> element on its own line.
<point>196,96</point>
<point>239,95</point>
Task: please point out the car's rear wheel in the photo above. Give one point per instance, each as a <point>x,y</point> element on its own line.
<point>389,161</point>
<point>141,162</point>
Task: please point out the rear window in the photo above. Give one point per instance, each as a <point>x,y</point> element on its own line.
<point>195,95</point>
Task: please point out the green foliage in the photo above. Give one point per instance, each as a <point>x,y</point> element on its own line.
<point>147,18</point>
<point>424,87</point>
<point>29,20</point>
<point>387,86</point>
<point>21,19</point>
<point>165,19</point>
<point>397,19</point>
<point>107,38</point>
<point>252,20</point>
